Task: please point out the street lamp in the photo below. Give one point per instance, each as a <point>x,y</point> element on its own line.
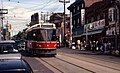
<point>64,1</point>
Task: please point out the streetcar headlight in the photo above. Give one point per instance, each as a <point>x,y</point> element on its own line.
<point>39,45</point>
<point>47,45</point>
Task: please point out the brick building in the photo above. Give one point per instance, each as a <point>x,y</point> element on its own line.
<point>57,18</point>
<point>101,20</point>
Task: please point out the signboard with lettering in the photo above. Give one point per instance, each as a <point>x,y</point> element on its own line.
<point>82,16</point>
<point>95,25</point>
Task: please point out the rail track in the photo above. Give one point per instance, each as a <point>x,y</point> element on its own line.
<point>103,65</point>
<point>47,62</point>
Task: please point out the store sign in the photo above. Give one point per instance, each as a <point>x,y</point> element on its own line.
<point>82,16</point>
<point>90,26</point>
<point>95,25</point>
<point>111,31</point>
<point>111,15</point>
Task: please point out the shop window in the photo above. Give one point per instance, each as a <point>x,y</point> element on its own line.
<point>87,21</point>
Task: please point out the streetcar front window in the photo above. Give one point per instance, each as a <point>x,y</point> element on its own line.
<point>51,35</point>
<point>43,35</point>
<point>47,35</point>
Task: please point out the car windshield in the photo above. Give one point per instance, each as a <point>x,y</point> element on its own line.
<point>7,49</point>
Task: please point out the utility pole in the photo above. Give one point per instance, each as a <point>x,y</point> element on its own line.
<point>2,11</point>
<point>116,24</point>
<point>64,2</point>
<point>70,44</point>
<point>1,19</point>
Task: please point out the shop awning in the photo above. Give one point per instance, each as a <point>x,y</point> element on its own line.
<point>88,33</point>
<point>77,36</point>
<point>93,32</point>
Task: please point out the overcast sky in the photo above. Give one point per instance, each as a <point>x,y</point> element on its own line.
<point>20,11</point>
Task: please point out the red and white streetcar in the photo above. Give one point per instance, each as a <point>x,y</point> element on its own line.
<point>41,39</point>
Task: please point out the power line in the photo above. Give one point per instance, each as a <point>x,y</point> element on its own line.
<point>55,9</point>
<point>44,6</point>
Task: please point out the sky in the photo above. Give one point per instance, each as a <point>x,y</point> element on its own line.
<point>20,11</point>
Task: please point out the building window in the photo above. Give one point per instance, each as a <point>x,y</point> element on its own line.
<point>78,20</point>
<point>74,10</point>
<point>87,21</point>
<point>98,17</point>
<point>78,8</point>
<point>74,22</point>
<point>82,5</point>
<point>103,15</point>
<point>92,19</point>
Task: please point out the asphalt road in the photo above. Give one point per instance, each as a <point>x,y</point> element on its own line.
<point>73,61</point>
<point>37,66</point>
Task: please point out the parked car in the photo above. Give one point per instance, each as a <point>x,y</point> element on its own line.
<point>14,66</point>
<point>8,51</point>
<point>11,42</point>
<point>20,44</point>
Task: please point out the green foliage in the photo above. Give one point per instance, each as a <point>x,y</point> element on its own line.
<point>20,35</point>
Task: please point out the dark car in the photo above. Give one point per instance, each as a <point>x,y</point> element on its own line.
<point>20,44</point>
<point>8,51</point>
<point>14,66</point>
<point>11,42</point>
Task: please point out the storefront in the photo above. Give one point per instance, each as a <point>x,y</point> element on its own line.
<point>94,31</point>
<point>77,34</point>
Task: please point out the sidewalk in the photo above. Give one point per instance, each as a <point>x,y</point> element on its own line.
<point>81,51</point>
<point>87,52</point>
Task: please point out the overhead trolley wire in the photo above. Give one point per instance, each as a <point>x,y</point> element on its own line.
<point>39,6</point>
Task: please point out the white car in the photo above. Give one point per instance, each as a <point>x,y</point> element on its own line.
<point>7,51</point>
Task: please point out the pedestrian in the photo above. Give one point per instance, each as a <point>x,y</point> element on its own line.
<point>109,47</point>
<point>94,46</point>
<point>105,47</point>
<point>102,48</point>
<point>78,44</point>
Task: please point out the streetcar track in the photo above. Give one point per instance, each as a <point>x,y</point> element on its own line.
<point>101,59</point>
<point>51,65</point>
<point>93,63</point>
<point>76,65</point>
<point>68,63</point>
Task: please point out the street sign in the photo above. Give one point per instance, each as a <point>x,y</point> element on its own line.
<point>3,11</point>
